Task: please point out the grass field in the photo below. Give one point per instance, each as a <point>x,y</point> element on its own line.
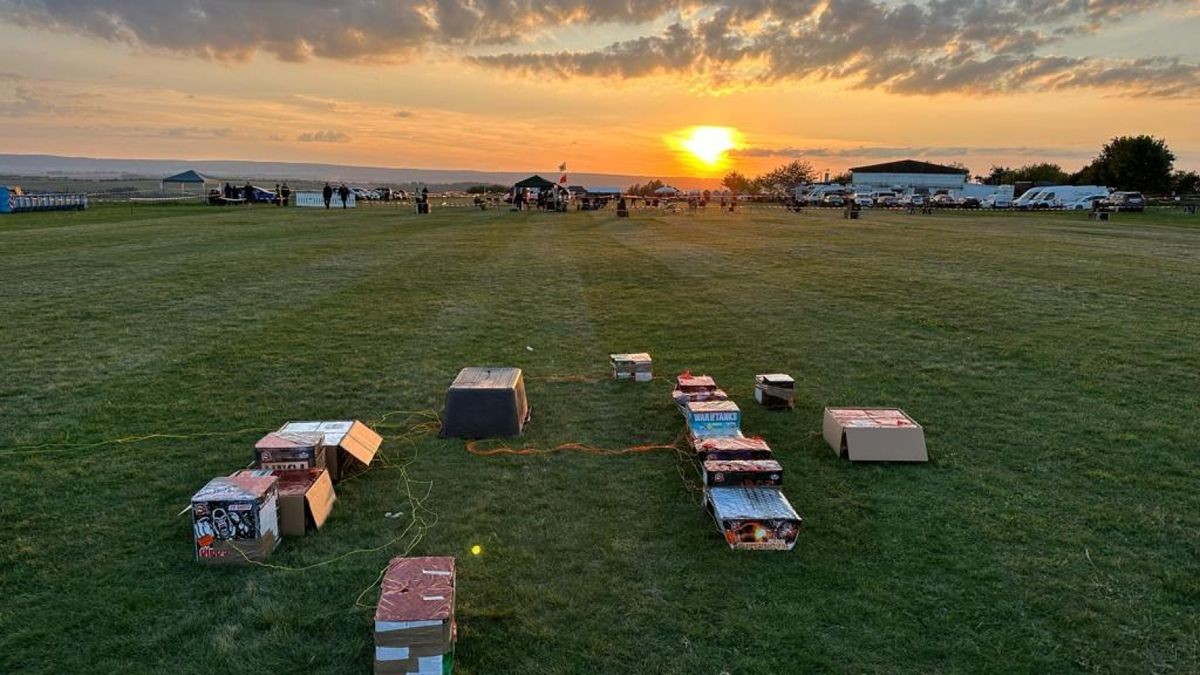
<point>1053,361</point>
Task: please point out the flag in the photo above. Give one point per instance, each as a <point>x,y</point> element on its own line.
<point>562,169</point>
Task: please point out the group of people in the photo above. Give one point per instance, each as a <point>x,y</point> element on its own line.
<point>343,193</point>
<point>248,194</point>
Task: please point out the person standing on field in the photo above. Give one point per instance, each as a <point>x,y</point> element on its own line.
<point>344,194</point>
<point>285,193</point>
<point>327,193</point>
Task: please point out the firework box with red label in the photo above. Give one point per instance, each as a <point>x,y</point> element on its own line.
<point>414,621</point>
<point>290,451</point>
<point>305,498</point>
<point>694,388</point>
<point>754,518</point>
<point>730,447</point>
<point>775,391</point>
<point>706,419</point>
<point>742,472</point>
<point>235,519</point>
<point>874,435</point>
<point>350,444</point>
<point>486,403</point>
<point>631,366</point>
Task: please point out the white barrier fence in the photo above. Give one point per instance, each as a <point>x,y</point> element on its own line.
<point>316,200</point>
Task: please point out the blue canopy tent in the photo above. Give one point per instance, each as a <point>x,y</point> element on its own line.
<point>185,179</point>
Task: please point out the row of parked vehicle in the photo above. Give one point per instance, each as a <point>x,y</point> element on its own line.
<point>1062,197</point>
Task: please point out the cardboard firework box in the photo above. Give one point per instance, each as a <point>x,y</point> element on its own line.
<point>486,403</point>
<point>874,435</point>
<point>236,519</point>
<point>754,518</point>
<point>742,473</point>
<point>689,388</point>
<point>706,419</point>
<point>775,391</point>
<point>414,621</point>
<point>305,498</point>
<point>731,447</point>
<point>350,444</point>
<point>290,451</point>
<point>637,367</point>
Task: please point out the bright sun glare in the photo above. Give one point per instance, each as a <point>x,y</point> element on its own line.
<point>709,144</point>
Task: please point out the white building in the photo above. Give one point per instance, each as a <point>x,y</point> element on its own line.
<point>908,175</point>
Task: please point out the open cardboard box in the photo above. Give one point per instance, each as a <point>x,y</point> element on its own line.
<point>353,444</point>
<point>874,435</point>
<point>305,498</point>
<point>290,451</point>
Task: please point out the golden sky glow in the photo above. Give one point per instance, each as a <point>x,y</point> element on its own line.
<point>607,93</point>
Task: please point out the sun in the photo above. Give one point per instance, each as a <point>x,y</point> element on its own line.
<point>709,144</point>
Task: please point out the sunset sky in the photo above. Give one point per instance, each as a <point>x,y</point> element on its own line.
<point>606,85</point>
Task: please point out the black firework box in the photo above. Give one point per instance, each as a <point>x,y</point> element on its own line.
<point>290,451</point>
<point>235,519</point>
<point>414,621</point>
<point>754,518</point>
<point>775,391</point>
<point>730,448</point>
<point>742,473</point>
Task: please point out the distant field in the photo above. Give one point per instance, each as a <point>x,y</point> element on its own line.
<point>1053,361</point>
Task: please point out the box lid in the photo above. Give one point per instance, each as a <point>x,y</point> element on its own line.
<point>417,589</point>
<point>731,443</point>
<point>775,378</point>
<point>712,406</point>
<point>751,502</point>
<point>874,418</point>
<point>736,465</point>
<point>487,378</point>
<point>235,488</point>
<point>640,357</point>
<point>687,380</point>
<point>357,439</point>
<point>284,440</point>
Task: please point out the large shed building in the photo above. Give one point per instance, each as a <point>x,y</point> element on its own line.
<point>908,174</point>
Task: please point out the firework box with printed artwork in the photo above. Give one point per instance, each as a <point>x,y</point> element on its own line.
<point>290,451</point>
<point>637,367</point>
<point>350,444</point>
<point>742,472</point>
<point>486,403</point>
<point>414,621</point>
<point>754,518</point>
<point>730,447</point>
<point>690,388</point>
<point>235,519</point>
<point>775,391</point>
<point>706,419</point>
<point>305,498</point>
<point>874,435</point>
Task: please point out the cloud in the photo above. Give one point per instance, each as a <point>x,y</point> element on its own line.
<point>323,137</point>
<point>24,100</point>
<point>195,133</point>
<point>906,47</point>
<point>403,114</point>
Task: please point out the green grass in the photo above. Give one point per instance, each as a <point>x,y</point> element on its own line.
<point>1053,362</point>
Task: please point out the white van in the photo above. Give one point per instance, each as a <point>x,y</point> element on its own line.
<point>1061,196</point>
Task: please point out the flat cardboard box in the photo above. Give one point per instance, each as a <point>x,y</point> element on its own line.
<point>754,518</point>
<point>486,403</point>
<point>874,435</point>
<point>707,419</point>
<point>235,520</point>
<point>354,444</point>
<point>730,447</point>
<point>290,451</point>
<point>306,498</point>
<point>742,473</point>
<point>638,367</point>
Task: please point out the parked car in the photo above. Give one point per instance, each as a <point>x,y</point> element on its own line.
<point>943,201</point>
<point>1124,201</point>
<point>912,200</point>
<point>1085,203</point>
<point>886,199</point>
<point>969,203</point>
<point>996,201</point>
<point>833,200</point>
<point>862,199</point>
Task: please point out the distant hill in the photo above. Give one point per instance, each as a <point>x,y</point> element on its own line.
<point>131,169</point>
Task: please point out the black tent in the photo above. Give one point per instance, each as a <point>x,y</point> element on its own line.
<point>536,183</point>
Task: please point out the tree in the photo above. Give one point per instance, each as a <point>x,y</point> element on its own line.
<point>998,175</point>
<point>843,178</point>
<point>1044,172</point>
<point>785,178</point>
<point>486,189</point>
<point>1141,163</point>
<point>1185,183</point>
<point>736,183</point>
